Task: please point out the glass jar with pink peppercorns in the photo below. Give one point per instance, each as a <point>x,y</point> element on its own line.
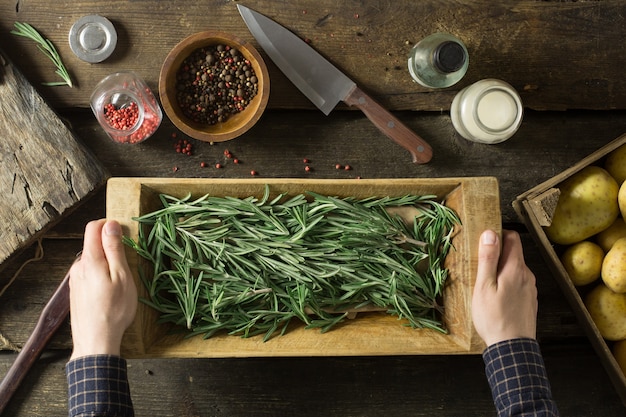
<point>126,108</point>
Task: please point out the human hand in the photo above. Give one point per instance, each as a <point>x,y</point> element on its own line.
<point>103,296</point>
<point>504,303</point>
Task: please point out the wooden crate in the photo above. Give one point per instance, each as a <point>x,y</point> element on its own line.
<point>476,200</point>
<point>535,208</point>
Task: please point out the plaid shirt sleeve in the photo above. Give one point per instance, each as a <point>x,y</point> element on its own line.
<point>98,387</point>
<point>517,376</point>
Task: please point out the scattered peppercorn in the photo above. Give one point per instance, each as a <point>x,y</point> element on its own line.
<point>306,160</point>
<point>218,165</point>
<point>254,173</point>
<point>347,167</point>
<point>338,166</point>
<point>235,161</point>
<point>184,146</point>
<point>203,164</point>
<point>307,168</point>
<point>215,82</point>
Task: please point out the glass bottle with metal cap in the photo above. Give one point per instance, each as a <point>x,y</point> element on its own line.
<point>438,61</point>
<point>488,111</point>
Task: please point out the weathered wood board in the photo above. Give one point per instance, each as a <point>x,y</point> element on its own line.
<point>45,171</point>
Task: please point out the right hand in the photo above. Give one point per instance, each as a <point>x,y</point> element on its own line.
<point>504,303</point>
<point>103,296</point>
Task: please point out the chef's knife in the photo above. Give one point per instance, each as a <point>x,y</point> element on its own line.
<point>324,84</point>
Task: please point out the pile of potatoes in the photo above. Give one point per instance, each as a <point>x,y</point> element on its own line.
<point>589,223</point>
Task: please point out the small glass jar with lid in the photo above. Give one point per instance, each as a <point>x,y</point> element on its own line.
<point>488,111</point>
<point>438,61</point>
<point>126,108</point>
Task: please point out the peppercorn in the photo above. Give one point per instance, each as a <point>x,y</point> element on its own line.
<point>125,121</point>
<point>184,146</point>
<point>213,83</point>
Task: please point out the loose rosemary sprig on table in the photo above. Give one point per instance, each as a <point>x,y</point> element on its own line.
<point>45,46</point>
<point>249,266</point>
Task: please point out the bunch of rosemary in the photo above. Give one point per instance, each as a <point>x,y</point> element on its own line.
<point>249,266</point>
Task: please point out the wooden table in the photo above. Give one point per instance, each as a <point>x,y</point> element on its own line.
<point>565,58</point>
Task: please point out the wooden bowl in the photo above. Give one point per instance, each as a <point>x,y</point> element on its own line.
<point>236,124</point>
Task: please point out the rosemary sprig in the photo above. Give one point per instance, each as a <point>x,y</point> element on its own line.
<point>250,266</point>
<point>45,46</point>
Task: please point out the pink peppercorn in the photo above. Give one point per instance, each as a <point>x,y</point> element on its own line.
<point>126,108</point>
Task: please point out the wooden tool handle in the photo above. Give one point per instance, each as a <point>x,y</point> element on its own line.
<point>390,126</point>
<point>52,316</point>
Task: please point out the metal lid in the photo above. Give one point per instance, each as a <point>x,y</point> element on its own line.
<point>93,38</point>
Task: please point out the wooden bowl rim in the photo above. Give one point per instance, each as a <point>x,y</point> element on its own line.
<point>237,124</point>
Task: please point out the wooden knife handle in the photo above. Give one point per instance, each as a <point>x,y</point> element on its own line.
<point>390,126</point>
<point>51,318</point>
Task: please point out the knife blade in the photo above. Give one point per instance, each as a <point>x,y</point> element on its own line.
<point>324,84</point>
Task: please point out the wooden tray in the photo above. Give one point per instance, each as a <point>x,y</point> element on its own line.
<point>476,200</point>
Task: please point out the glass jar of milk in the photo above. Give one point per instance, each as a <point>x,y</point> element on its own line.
<point>488,111</point>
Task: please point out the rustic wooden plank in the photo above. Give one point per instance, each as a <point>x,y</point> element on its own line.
<point>546,144</point>
<point>46,171</point>
<point>559,55</point>
<point>24,300</point>
<point>400,386</point>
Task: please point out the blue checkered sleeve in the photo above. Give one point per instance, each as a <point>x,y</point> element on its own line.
<point>518,380</point>
<point>98,387</point>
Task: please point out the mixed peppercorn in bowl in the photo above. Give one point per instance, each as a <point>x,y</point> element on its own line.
<point>214,86</point>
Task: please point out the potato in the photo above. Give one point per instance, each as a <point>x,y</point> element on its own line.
<point>619,351</point>
<point>583,262</point>
<point>615,164</point>
<point>587,205</point>
<point>610,235</point>
<point>621,199</point>
<point>608,312</point>
<point>614,267</point>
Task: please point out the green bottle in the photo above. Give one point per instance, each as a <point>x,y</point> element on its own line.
<point>438,61</point>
